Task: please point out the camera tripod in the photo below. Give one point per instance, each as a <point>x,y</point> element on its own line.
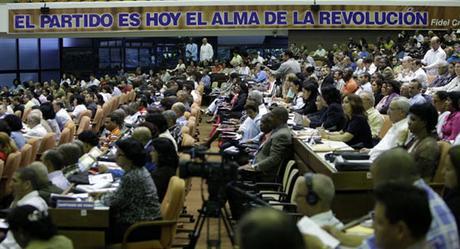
<point>211,210</point>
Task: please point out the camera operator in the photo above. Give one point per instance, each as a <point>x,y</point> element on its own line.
<point>275,149</point>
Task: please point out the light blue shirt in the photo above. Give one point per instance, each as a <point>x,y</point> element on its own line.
<point>443,230</point>
<point>417,99</point>
<point>261,76</point>
<point>18,139</point>
<point>191,51</point>
<point>250,128</point>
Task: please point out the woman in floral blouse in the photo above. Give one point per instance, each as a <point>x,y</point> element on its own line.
<point>136,198</point>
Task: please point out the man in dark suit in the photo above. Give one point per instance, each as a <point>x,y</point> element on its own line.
<point>275,149</point>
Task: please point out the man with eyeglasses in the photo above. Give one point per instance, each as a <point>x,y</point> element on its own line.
<point>398,133</point>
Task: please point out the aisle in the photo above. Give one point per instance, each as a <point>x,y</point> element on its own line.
<point>193,202</point>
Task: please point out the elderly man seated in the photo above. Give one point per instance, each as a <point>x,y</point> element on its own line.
<point>275,148</point>
<point>399,131</point>
<point>314,195</point>
<point>36,129</point>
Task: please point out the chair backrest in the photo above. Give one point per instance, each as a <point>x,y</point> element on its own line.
<point>84,125</point>
<point>35,143</point>
<point>11,165</point>
<point>26,155</point>
<point>187,140</point>
<point>291,183</point>
<point>97,121</point>
<point>48,142</point>
<point>87,113</point>
<point>171,207</point>
<point>173,199</point>
<point>18,113</point>
<point>26,114</point>
<point>71,125</point>
<point>195,112</point>
<point>287,172</point>
<point>386,126</point>
<point>65,136</point>
<point>444,148</point>
<point>191,124</point>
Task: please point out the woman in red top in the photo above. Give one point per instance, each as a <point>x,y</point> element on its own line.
<point>451,127</point>
<point>7,146</point>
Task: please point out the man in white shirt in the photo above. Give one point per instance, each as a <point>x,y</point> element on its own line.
<point>36,129</point>
<point>251,125</point>
<point>62,116</point>
<point>434,56</point>
<point>415,88</point>
<point>419,73</point>
<point>25,184</point>
<point>398,133</point>
<point>374,118</point>
<point>93,81</point>
<point>453,85</point>
<point>206,51</point>
<point>320,53</point>
<point>314,194</point>
<point>80,106</point>
<point>191,51</point>
<point>364,83</point>
<point>237,60</point>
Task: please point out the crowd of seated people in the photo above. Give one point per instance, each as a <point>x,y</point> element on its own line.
<point>388,102</point>
<point>347,93</point>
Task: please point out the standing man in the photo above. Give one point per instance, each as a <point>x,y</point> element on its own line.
<point>434,57</point>
<point>206,52</point>
<point>191,51</point>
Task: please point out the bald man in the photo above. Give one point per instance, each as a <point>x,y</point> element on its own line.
<point>45,186</point>
<point>396,165</point>
<point>314,194</point>
<point>374,118</point>
<point>142,134</point>
<point>434,57</point>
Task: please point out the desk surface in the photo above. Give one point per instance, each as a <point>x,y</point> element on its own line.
<point>353,188</point>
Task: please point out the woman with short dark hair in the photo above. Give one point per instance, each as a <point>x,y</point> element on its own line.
<point>166,160</point>
<point>423,145</point>
<point>357,132</point>
<point>89,139</point>
<point>309,94</point>
<point>15,125</point>
<point>33,228</point>
<point>451,127</point>
<point>136,198</point>
<point>390,90</point>
<point>333,118</point>
<point>439,102</point>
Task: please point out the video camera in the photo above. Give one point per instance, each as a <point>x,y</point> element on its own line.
<point>218,174</point>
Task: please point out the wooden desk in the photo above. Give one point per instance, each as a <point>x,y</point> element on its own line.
<point>353,189</point>
<point>86,228</point>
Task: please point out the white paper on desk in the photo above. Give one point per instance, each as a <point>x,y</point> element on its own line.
<point>94,179</point>
<point>98,187</point>
<point>307,226</point>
